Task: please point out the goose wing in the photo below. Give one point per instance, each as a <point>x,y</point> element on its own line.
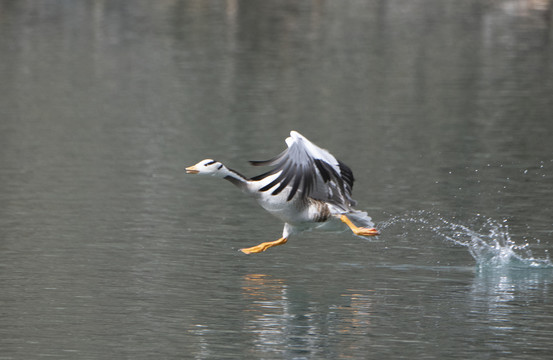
<point>309,171</point>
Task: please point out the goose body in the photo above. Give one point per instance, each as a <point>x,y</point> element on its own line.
<point>307,187</point>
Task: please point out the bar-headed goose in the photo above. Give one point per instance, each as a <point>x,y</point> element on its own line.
<point>306,188</point>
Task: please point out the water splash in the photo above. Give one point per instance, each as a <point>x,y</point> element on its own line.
<point>486,239</point>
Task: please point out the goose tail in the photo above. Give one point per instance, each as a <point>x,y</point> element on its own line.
<point>360,218</point>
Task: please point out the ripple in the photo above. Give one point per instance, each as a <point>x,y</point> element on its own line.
<point>487,240</point>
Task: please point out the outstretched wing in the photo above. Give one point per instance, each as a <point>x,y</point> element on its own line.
<point>309,171</point>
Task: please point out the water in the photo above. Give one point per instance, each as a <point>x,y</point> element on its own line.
<point>487,240</point>
<point>441,108</point>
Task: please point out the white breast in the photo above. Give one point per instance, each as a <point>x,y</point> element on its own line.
<point>288,211</point>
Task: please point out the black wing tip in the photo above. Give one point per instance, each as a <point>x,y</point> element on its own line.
<point>347,173</point>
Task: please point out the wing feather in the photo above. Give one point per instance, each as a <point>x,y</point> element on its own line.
<point>309,171</point>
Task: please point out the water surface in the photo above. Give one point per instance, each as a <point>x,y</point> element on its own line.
<point>108,250</point>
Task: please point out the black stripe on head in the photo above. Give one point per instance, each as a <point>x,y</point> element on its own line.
<point>210,163</point>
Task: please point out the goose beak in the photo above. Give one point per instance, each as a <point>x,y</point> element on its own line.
<point>192,170</point>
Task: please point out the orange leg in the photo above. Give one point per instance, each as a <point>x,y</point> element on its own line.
<point>264,246</point>
<point>359,230</point>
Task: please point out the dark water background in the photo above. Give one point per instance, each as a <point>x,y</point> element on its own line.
<point>444,110</point>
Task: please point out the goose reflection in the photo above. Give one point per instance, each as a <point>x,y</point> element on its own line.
<point>356,312</point>
<point>269,313</point>
<point>291,322</point>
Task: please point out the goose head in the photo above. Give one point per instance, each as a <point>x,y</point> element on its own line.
<point>206,167</point>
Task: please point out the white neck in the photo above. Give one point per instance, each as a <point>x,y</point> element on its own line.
<point>232,176</point>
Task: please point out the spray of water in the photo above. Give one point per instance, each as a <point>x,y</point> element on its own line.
<point>487,240</point>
